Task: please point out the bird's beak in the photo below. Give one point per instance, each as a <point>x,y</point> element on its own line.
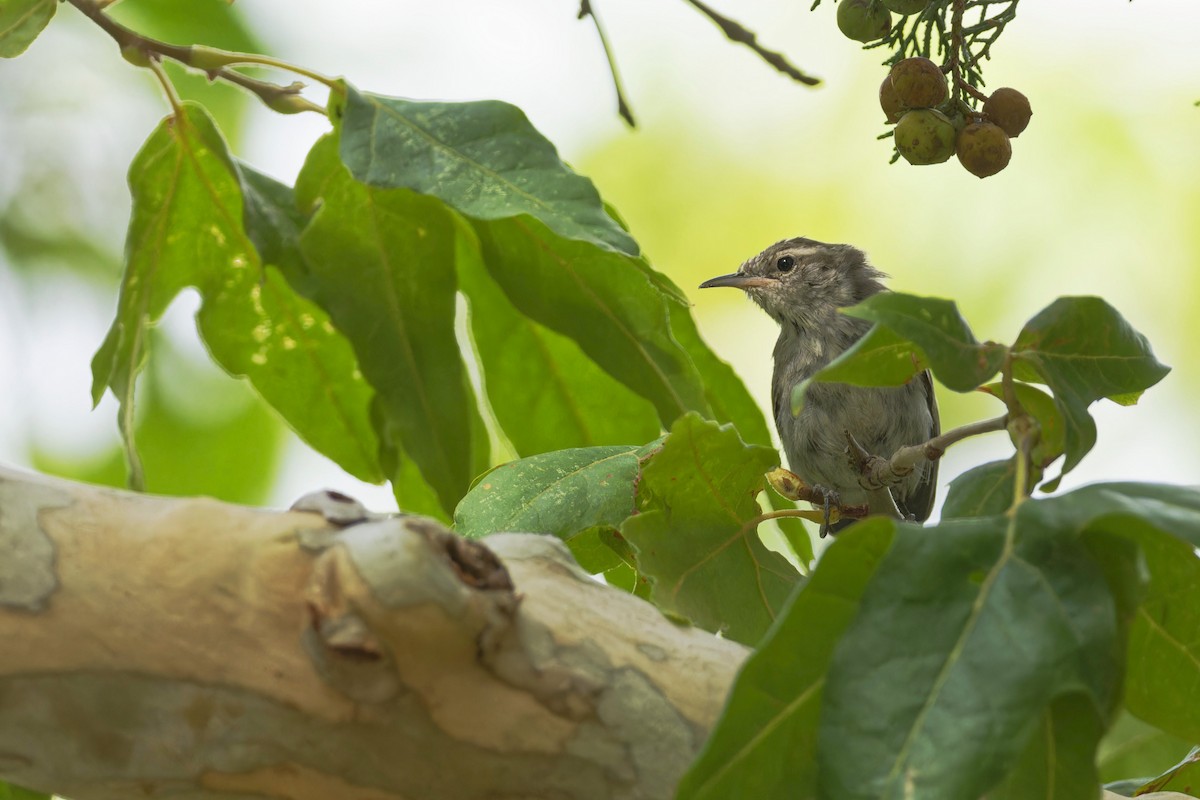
<point>736,280</point>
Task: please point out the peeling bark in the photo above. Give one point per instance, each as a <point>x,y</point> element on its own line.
<point>184,647</point>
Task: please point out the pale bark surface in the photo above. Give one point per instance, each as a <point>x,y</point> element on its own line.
<point>193,649</point>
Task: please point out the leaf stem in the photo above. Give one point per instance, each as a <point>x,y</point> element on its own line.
<point>168,88</point>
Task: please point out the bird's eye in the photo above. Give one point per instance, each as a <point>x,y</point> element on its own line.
<point>785,263</point>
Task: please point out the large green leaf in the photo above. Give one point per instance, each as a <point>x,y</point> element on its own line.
<point>545,393</point>
<point>561,493</point>
<point>600,299</point>
<point>881,358</point>
<point>1084,350</point>
<point>959,361</point>
<point>20,23</point>
<point>764,745</point>
<point>381,263</point>
<point>957,623</point>
<point>696,496</point>
<point>1059,761</point>
<point>187,229</point>
<point>484,159</point>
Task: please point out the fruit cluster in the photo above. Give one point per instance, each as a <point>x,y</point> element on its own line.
<point>930,129</point>
<point>915,97</point>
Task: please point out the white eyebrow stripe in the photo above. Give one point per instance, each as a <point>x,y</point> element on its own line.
<point>801,252</point>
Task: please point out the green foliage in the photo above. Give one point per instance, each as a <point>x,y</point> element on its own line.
<point>20,23</point>
<point>10,792</point>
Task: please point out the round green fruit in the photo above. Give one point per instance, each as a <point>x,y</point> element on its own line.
<point>1009,109</point>
<point>919,83</point>
<point>863,20</point>
<point>889,102</point>
<point>925,136</point>
<point>983,148</point>
<point>906,6</point>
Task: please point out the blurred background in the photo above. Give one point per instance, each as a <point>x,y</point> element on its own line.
<point>1102,196</point>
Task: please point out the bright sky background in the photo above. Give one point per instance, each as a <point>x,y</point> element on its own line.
<point>1102,196</point>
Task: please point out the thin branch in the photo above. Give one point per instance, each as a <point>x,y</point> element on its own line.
<point>285,99</point>
<point>623,107</point>
<point>877,472</point>
<point>736,32</point>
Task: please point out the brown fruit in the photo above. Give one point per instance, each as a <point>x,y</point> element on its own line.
<point>919,83</point>
<point>1009,109</point>
<point>925,136</point>
<point>862,20</point>
<point>906,6</point>
<point>889,102</point>
<point>983,148</point>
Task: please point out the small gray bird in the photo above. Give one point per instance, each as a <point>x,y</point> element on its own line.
<point>802,283</point>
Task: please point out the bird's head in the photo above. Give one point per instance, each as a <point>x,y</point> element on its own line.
<point>802,280</point>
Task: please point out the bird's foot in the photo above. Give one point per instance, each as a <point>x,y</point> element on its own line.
<point>830,500</point>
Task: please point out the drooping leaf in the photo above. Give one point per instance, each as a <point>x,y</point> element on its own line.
<point>910,703</point>
<point>696,496</point>
<point>20,23</point>
<point>959,361</point>
<point>1170,509</point>
<point>381,263</point>
<point>764,745</point>
<point>562,493</point>
<point>601,300</point>
<point>981,491</point>
<point>1084,350</point>
<point>187,229</point>
<point>484,159</point>
<point>545,393</point>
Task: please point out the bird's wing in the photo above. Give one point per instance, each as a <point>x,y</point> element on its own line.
<point>920,502</point>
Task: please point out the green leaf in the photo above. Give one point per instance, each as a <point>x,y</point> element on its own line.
<point>484,159</point>
<point>601,300</point>
<point>696,496</point>
<point>545,393</point>
<point>959,361</point>
<point>910,705</point>
<point>881,358</point>
<point>1083,349</point>
<point>1163,671</point>
<point>561,493</point>
<point>381,263</point>
<point>981,491</point>
<point>1171,509</point>
<point>10,791</point>
<point>1059,762</point>
<point>20,23</point>
<point>764,745</point>
<point>1132,747</point>
<point>187,229</point>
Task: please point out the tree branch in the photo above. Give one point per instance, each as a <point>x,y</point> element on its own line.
<point>736,32</point>
<point>623,107</point>
<point>190,647</point>
<point>144,50</point>
<point>878,472</point>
